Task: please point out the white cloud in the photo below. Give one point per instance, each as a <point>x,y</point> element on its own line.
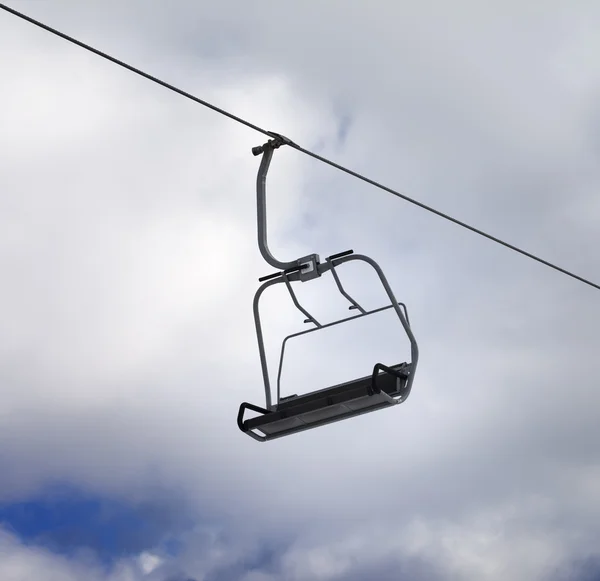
<point>127,246</point>
<point>149,562</point>
<point>19,562</point>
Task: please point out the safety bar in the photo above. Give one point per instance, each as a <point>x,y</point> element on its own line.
<point>309,317</point>
<point>338,282</point>
<point>332,324</point>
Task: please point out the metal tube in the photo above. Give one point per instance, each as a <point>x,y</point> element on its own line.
<point>261,344</point>
<point>292,336</point>
<point>261,206</point>
<point>259,335</point>
<point>328,266</point>
<point>309,317</point>
<point>414,349</point>
<point>341,288</point>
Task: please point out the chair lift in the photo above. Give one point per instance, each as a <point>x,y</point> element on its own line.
<point>386,385</point>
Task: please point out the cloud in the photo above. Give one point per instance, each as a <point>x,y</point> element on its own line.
<point>19,562</point>
<point>149,562</point>
<point>129,264</point>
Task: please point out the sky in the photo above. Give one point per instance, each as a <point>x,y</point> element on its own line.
<point>129,259</point>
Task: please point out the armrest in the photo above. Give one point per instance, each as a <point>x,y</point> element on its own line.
<point>400,374</point>
<point>243,407</point>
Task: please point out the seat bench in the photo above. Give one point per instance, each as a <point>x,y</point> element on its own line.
<point>384,388</point>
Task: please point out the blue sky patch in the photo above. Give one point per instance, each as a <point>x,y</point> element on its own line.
<point>68,522</point>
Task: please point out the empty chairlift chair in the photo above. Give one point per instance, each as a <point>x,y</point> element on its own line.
<point>383,387</point>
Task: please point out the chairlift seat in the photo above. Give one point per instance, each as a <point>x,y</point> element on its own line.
<point>387,386</point>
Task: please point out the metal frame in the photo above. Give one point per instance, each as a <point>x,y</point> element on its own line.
<point>307,265</point>
<point>300,333</point>
<point>329,265</point>
<point>261,206</point>
<point>305,269</point>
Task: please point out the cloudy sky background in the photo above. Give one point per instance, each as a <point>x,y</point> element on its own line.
<point>129,262</point>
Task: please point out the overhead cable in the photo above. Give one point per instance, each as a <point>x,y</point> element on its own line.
<point>293,145</point>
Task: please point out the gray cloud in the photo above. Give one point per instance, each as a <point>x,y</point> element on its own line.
<point>129,258</point>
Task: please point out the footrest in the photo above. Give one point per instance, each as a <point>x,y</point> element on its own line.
<point>298,413</point>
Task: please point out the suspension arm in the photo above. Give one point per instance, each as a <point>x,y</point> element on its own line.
<point>261,206</point>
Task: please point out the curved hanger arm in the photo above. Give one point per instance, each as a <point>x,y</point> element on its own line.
<point>261,206</point>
